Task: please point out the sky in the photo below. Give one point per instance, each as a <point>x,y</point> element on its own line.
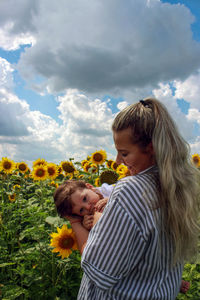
<point>68,67</point>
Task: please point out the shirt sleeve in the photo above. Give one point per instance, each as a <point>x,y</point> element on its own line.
<point>106,189</point>
<point>115,246</point>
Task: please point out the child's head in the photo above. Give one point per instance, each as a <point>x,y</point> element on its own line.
<point>75,197</point>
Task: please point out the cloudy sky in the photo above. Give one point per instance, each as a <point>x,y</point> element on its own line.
<point>67,67</point>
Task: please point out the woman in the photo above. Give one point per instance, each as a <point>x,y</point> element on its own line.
<point>149,225</point>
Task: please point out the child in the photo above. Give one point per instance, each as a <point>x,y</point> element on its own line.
<point>78,198</point>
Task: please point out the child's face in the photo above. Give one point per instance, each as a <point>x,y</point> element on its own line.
<point>83,201</point>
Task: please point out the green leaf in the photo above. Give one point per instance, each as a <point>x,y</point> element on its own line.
<point>6,264</point>
<point>53,220</point>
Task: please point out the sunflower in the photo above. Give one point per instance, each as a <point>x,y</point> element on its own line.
<point>52,170</point>
<point>16,187</point>
<point>64,241</point>
<point>54,184</point>
<point>98,157</point>
<point>94,168</point>
<point>22,167</point>
<point>196,160</point>
<point>114,165</point>
<point>67,166</point>
<point>108,176</point>
<point>60,170</point>
<point>123,171</point>
<point>108,163</point>
<point>40,172</point>
<point>39,162</point>
<point>120,168</point>
<point>27,174</point>
<point>12,197</point>
<point>87,166</point>
<point>7,165</point>
<point>97,181</point>
<point>80,176</point>
<point>84,162</point>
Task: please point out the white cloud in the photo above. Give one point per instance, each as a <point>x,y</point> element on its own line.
<point>103,46</point>
<point>13,41</point>
<point>185,125</point>
<point>25,134</point>
<point>28,135</point>
<point>121,105</point>
<point>194,115</point>
<point>189,89</point>
<point>86,124</point>
<point>6,76</point>
<point>195,146</point>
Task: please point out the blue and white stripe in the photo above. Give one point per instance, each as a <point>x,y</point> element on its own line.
<point>127,256</point>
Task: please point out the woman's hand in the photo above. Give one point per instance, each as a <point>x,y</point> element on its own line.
<point>101,204</point>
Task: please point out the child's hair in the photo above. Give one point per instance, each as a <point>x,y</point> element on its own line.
<point>179,188</point>
<point>62,196</point>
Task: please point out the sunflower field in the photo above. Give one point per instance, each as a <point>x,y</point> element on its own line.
<point>39,257</point>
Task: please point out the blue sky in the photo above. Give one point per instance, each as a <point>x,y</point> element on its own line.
<point>67,69</point>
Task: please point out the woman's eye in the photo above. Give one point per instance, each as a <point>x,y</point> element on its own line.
<point>124,154</point>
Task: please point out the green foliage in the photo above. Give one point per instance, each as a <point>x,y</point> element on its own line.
<point>191,273</point>
<point>28,268</point>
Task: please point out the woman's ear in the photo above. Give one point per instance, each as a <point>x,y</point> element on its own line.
<point>149,148</point>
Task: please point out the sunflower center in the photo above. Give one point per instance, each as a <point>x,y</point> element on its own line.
<point>40,173</point>
<point>97,157</point>
<point>68,168</point>
<point>51,171</point>
<point>115,165</point>
<point>109,177</point>
<point>22,167</point>
<point>87,167</point>
<point>195,160</point>
<point>7,165</point>
<point>109,163</point>
<point>67,243</point>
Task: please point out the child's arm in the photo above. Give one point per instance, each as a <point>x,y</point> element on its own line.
<point>97,216</point>
<point>81,233</point>
<point>101,204</point>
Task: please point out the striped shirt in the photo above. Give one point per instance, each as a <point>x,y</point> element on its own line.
<point>126,256</point>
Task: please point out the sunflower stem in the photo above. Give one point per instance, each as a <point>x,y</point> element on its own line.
<point>53,265</point>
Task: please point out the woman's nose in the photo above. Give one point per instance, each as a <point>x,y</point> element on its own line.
<point>118,159</point>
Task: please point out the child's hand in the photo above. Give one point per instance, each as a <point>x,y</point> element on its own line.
<point>88,221</point>
<point>101,204</point>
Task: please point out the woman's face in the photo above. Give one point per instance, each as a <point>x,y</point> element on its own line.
<point>131,155</point>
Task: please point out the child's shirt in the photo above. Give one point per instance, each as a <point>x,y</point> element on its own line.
<point>105,190</point>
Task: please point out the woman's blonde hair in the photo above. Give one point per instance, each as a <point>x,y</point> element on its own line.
<point>179,185</point>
